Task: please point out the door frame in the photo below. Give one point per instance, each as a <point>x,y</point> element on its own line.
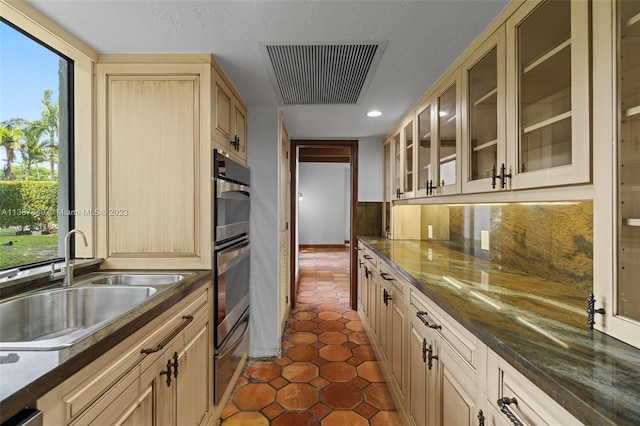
<point>352,144</point>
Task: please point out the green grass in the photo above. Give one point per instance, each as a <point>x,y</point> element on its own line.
<point>27,249</point>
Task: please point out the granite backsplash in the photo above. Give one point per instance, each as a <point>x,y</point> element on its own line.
<point>553,241</point>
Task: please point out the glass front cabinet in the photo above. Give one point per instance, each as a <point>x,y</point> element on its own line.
<point>409,158</point>
<point>483,126</point>
<point>616,127</point>
<point>426,176</point>
<point>387,189</point>
<point>548,94</point>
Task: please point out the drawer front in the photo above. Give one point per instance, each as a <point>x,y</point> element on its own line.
<point>465,344</point>
<point>387,274</point>
<point>521,397</point>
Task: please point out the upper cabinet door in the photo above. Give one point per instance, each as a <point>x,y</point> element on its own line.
<point>616,126</point>
<point>397,166</point>
<point>387,185</point>
<point>409,157</point>
<point>483,124</point>
<point>448,136</point>
<point>548,98</point>
<point>425,170</point>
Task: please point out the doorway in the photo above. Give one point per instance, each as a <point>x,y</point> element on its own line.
<point>324,151</point>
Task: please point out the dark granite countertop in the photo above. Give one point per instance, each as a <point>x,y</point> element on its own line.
<point>538,326</point>
<point>25,376</point>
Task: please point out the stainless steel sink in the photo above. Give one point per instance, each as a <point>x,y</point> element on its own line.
<point>54,319</point>
<point>138,279</point>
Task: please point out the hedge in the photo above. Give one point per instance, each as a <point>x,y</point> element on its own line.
<point>30,204</point>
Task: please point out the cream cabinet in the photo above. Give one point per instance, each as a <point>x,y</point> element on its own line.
<point>447,148</point>
<point>409,147</point>
<point>393,324</point>
<point>615,307</point>
<point>425,173</point>
<point>483,121</point>
<point>229,118</point>
<point>153,165</point>
<point>387,191</point>
<point>446,365</point>
<point>548,94</point>
<point>515,400</point>
<point>160,375</point>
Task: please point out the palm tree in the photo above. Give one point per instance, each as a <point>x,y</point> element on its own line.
<point>32,149</point>
<point>50,122</point>
<point>10,135</point>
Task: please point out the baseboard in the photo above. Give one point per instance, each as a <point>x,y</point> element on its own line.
<point>322,246</point>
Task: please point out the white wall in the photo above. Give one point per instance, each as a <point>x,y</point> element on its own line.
<point>321,214</point>
<point>370,169</point>
<point>264,161</point>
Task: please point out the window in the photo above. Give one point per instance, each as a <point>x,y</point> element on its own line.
<point>35,149</point>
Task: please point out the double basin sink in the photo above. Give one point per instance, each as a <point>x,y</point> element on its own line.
<point>56,318</point>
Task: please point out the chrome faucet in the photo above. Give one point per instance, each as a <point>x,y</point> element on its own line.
<point>68,267</point>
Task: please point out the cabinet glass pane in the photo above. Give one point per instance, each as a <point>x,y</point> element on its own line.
<point>544,71</point>
<point>408,159</point>
<point>628,288</point>
<point>387,188</point>
<point>397,178</point>
<point>424,152</point>
<point>447,136</point>
<point>483,116</point>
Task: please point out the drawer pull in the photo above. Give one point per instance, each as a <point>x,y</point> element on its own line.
<point>366,256</point>
<point>421,316</point>
<point>503,403</point>
<point>186,320</point>
<point>386,276</point>
<point>386,297</point>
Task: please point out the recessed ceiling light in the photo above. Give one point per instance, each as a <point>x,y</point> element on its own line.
<point>374,113</point>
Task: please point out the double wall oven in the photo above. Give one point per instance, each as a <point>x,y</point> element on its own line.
<point>231,258</point>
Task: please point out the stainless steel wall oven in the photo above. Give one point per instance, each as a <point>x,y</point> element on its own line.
<point>231,259</point>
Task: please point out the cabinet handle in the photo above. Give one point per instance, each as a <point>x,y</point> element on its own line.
<point>421,316</point>
<point>430,357</point>
<point>385,297</point>
<point>168,373</point>
<point>503,404</point>
<point>356,248</point>
<point>591,311</point>
<point>366,256</point>
<point>494,176</point>
<point>175,365</point>
<point>398,193</point>
<point>424,350</point>
<point>480,418</point>
<point>185,322</point>
<point>386,276</point>
<point>366,272</point>
<point>430,187</point>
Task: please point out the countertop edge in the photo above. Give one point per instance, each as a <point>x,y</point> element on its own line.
<point>547,384</point>
<point>27,396</point>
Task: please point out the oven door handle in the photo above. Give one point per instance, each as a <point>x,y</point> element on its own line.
<point>232,345</point>
<point>232,256</point>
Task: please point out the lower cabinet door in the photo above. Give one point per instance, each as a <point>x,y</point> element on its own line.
<point>458,394</point>
<point>192,384</point>
<point>157,386</point>
<point>422,377</point>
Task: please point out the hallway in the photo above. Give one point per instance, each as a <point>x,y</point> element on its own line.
<point>328,374</point>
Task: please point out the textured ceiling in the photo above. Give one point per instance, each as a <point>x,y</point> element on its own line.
<point>424,38</point>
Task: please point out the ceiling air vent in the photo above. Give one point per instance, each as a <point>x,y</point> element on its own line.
<point>306,74</point>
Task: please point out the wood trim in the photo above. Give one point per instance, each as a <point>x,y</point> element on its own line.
<point>353,163</point>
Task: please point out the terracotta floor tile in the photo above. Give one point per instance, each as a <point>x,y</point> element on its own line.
<point>318,345</point>
<point>341,396</point>
<point>338,372</point>
<point>335,353</point>
<point>355,361</point>
<point>254,396</point>
<point>296,418</point>
<point>303,338</point>
<point>332,338</point>
<point>377,394</point>
<point>319,361</point>
<point>352,315</point>
<point>247,418</point>
<point>305,315</point>
<point>359,337</point>
<point>283,361</point>
<point>228,411</point>
<point>364,352</point>
<point>319,382</point>
<point>331,325</point>
<point>327,315</point>
<point>371,371</point>
<point>279,382</point>
<point>386,418</point>
<point>272,411</point>
<point>297,396</point>
<point>262,372</point>
<point>343,418</point>
<point>304,325</point>
<point>366,410</point>
<point>320,410</point>
<point>302,353</point>
<point>359,382</point>
<point>355,325</point>
<point>300,372</point>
